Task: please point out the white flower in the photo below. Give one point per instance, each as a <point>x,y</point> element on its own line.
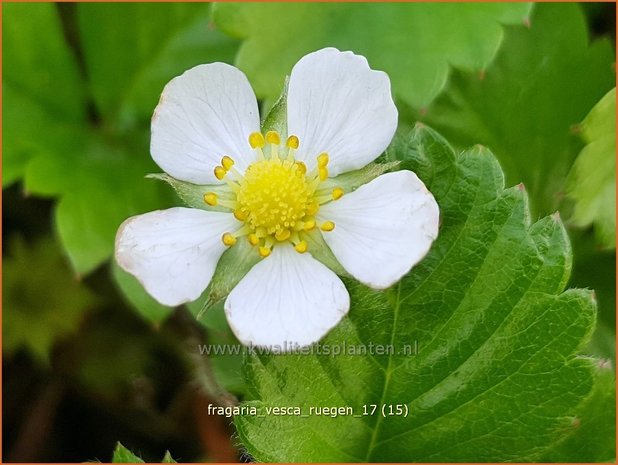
<point>206,131</point>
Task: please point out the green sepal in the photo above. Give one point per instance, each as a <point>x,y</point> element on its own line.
<point>193,194</point>
<point>124,455</point>
<point>233,265</point>
<point>319,249</point>
<point>352,180</point>
<point>167,458</point>
<point>277,117</point>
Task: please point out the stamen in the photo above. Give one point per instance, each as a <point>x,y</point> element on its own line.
<point>241,215</point>
<point>337,193</point>
<point>264,252</point>
<point>327,226</point>
<point>231,204</point>
<point>256,140</point>
<point>282,235</point>
<point>322,160</point>
<point>253,239</point>
<point>236,173</point>
<point>323,173</point>
<point>301,247</point>
<point>292,142</point>
<point>243,231</point>
<point>228,239</point>
<point>234,186</point>
<point>309,225</point>
<point>227,162</point>
<point>312,208</point>
<point>220,172</point>
<point>315,183</point>
<point>301,167</point>
<point>210,198</point>
<point>272,137</point>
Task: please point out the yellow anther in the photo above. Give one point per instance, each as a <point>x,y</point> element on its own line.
<point>322,160</point>
<point>328,226</point>
<point>337,193</point>
<point>240,215</point>
<point>282,234</point>
<point>264,252</point>
<point>228,239</point>
<point>253,239</point>
<point>256,140</point>
<point>227,163</point>
<point>312,208</point>
<point>292,142</point>
<point>272,137</point>
<point>301,247</point>
<point>309,225</point>
<point>210,198</point>
<point>323,173</point>
<point>220,172</point>
<point>301,167</point>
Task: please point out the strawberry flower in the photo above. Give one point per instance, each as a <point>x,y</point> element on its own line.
<point>279,193</point>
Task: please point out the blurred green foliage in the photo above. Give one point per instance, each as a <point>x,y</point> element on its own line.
<point>43,301</point>
<point>592,181</point>
<point>41,87</point>
<point>80,83</point>
<point>414,43</point>
<point>543,82</point>
<point>124,455</point>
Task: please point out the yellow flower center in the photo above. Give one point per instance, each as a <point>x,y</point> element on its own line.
<point>276,199</point>
<point>274,196</point>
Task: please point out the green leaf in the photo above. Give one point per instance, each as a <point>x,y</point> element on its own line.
<point>595,424</point>
<point>277,35</point>
<point>124,455</point>
<point>479,342</point>
<point>43,301</point>
<point>132,50</point>
<point>592,181</point>
<point>42,89</point>
<point>543,81</point>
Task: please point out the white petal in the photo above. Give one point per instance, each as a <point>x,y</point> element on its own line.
<point>383,228</point>
<point>174,252</point>
<point>338,105</point>
<point>287,299</point>
<point>204,114</point>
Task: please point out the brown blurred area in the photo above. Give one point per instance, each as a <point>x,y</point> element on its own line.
<point>116,378</point>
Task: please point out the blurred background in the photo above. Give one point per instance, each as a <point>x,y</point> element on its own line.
<point>89,359</point>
